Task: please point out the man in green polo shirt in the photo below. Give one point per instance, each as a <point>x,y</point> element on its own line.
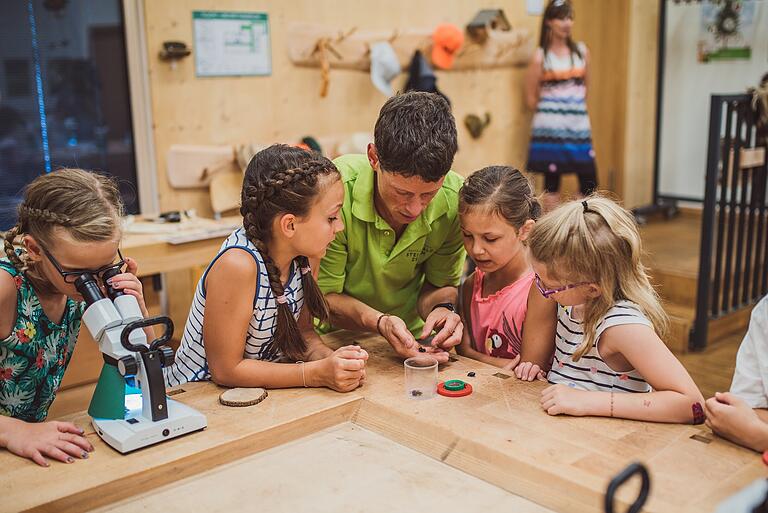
<point>395,268</point>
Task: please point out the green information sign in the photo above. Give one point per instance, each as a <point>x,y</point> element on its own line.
<point>231,44</point>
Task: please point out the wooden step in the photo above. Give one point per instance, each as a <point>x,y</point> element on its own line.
<point>672,257</point>
<point>728,325</point>
<point>680,323</point>
<point>675,286</point>
<point>681,320</point>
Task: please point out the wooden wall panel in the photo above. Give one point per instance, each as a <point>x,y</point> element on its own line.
<point>621,35</point>
<point>602,26</point>
<point>286,105</point>
<point>640,135</point>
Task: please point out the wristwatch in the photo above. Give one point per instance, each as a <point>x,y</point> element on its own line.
<point>449,306</point>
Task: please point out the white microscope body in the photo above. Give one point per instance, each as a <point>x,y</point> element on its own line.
<point>116,323</point>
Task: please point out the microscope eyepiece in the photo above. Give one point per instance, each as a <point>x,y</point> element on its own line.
<point>88,287</point>
<point>112,292</point>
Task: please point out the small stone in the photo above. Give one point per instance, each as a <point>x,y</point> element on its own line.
<point>416,393</point>
<point>471,374</point>
<point>422,350</point>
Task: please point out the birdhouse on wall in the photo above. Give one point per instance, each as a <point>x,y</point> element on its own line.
<point>485,20</point>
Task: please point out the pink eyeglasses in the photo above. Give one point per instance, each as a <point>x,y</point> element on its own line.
<point>549,292</point>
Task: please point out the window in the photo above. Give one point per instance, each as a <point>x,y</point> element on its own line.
<point>64,95</point>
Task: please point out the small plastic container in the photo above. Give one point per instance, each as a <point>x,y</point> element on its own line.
<point>420,377</point>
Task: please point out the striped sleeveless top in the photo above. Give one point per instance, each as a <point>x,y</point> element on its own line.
<point>190,363</point>
<point>591,372</point>
<point>561,135</point>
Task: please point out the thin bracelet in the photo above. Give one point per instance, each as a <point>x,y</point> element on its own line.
<point>303,379</point>
<point>611,403</point>
<point>378,323</point>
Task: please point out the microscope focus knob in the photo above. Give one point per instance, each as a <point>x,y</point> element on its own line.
<point>127,366</point>
<point>167,356</point>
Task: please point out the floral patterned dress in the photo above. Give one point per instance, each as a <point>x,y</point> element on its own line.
<point>35,355</point>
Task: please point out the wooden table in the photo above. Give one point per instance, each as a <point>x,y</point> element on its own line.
<point>156,256</point>
<point>498,434</point>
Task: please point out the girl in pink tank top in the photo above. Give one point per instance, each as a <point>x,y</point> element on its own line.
<point>497,210</point>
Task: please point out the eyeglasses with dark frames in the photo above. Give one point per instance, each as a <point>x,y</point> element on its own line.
<point>71,276</point>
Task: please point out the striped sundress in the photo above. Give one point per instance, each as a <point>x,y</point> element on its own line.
<point>590,372</point>
<point>561,139</point>
<point>191,363</point>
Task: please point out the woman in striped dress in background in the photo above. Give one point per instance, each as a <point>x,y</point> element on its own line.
<point>556,89</point>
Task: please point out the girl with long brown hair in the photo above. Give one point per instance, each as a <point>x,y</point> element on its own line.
<point>253,307</point>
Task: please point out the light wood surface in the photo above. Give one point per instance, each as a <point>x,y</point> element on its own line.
<point>621,35</point>
<point>498,434</point>
<point>351,47</point>
<point>603,27</point>
<point>156,256</point>
<point>635,181</point>
<point>369,473</point>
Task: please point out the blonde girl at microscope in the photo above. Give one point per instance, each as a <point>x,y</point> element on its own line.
<point>68,224</point>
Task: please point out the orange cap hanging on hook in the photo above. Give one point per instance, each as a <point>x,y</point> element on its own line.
<point>446,42</point>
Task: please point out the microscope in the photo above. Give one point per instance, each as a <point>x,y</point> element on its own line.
<point>130,421</point>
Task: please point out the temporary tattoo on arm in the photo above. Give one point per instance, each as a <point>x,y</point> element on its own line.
<point>646,403</point>
<point>698,413</point>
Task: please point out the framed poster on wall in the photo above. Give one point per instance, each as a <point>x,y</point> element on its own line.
<point>727,30</point>
<point>231,44</point>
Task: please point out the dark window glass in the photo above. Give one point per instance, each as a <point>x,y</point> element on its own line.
<point>64,97</point>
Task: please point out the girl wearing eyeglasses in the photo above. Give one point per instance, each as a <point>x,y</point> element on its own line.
<point>609,358</point>
<point>68,224</point>
<point>497,209</point>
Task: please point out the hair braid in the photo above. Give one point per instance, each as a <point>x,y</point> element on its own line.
<point>87,206</point>
<point>312,294</point>
<point>45,215</point>
<point>10,250</point>
<point>279,180</point>
<point>289,341</point>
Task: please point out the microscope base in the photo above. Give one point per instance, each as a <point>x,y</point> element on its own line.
<point>136,431</point>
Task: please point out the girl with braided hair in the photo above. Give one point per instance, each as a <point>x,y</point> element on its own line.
<point>68,223</point>
<point>253,307</point>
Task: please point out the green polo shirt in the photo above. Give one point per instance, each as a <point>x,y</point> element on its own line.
<point>366,262</point>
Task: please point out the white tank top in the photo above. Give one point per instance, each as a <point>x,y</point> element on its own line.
<point>591,372</point>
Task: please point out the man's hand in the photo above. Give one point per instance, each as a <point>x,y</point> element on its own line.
<point>450,328</point>
<point>396,332</point>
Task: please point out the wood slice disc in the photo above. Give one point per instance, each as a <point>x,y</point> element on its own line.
<point>242,396</point>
